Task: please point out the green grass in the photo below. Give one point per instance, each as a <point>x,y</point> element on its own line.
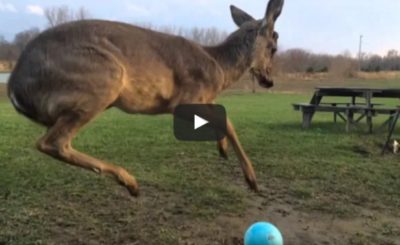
<point>324,169</point>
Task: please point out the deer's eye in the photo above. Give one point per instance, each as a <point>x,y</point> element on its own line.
<point>275,36</point>
<point>272,47</point>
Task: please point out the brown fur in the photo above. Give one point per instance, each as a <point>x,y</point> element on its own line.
<point>70,74</point>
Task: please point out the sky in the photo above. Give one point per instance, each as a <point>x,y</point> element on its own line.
<point>320,26</point>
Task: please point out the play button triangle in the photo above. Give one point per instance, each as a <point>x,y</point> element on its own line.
<point>199,122</point>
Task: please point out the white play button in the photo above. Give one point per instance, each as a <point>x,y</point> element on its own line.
<point>199,122</point>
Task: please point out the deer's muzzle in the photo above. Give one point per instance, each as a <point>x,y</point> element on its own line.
<point>263,78</point>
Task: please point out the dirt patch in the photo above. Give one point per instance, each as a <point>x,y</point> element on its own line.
<point>317,228</point>
<point>159,216</point>
<point>299,227</point>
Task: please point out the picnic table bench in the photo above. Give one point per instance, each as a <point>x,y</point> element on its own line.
<point>347,111</point>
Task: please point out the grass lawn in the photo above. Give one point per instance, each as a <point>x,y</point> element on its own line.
<point>319,186</point>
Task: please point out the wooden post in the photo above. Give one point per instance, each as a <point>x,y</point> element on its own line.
<point>307,117</point>
<point>315,100</point>
<point>349,121</point>
<point>334,114</point>
<point>369,112</point>
<point>392,127</point>
<point>369,121</point>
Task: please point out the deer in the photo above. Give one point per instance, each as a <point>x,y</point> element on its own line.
<point>71,73</point>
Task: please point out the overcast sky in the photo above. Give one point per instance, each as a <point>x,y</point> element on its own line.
<point>323,26</point>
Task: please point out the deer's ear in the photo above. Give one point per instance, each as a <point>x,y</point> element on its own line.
<point>274,10</point>
<point>239,16</point>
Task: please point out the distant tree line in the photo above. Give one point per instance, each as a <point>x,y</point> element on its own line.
<point>389,62</point>
<point>303,61</point>
<point>205,36</point>
<point>289,61</point>
<point>10,50</point>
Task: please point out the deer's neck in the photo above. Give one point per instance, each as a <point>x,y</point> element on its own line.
<point>233,55</point>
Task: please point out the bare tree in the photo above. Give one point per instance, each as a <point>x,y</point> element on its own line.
<point>295,60</point>
<point>8,51</point>
<point>62,14</point>
<point>3,47</point>
<point>392,53</point>
<point>392,60</point>
<point>23,38</point>
<point>57,15</point>
<point>343,66</point>
<point>205,36</point>
<point>82,14</point>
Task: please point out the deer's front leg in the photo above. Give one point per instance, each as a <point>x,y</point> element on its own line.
<point>246,165</point>
<point>223,148</point>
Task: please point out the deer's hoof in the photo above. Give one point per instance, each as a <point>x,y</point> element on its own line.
<point>133,190</point>
<point>125,179</point>
<point>253,185</point>
<point>223,155</point>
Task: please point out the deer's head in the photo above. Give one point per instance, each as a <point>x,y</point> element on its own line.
<point>260,38</point>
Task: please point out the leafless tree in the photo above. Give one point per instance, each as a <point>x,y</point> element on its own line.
<point>23,38</point>
<point>8,51</point>
<point>82,14</point>
<point>343,66</point>
<point>62,14</point>
<point>295,60</point>
<point>392,60</point>
<point>205,36</point>
<point>3,47</point>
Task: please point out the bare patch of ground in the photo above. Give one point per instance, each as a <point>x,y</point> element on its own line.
<point>299,227</point>
<point>159,217</point>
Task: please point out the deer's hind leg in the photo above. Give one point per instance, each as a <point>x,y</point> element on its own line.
<point>57,143</point>
<point>223,148</point>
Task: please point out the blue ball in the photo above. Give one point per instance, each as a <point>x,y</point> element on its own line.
<point>263,233</point>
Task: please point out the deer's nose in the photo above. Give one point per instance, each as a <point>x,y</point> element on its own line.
<point>266,83</point>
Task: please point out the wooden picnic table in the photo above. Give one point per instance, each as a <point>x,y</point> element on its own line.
<point>346,111</point>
